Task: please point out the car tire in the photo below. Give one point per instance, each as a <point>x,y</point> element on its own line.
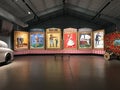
<point>7,58</point>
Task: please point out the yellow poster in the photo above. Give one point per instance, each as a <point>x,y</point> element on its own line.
<point>53,38</point>
<point>20,40</point>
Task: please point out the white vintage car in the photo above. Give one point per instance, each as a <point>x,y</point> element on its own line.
<point>6,54</point>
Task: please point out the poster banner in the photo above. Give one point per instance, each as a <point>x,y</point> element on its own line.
<point>20,40</point>
<point>37,40</point>
<point>98,39</point>
<point>53,38</point>
<point>70,38</point>
<point>84,38</point>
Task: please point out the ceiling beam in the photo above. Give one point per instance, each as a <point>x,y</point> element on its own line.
<point>91,13</point>
<point>35,15</point>
<point>12,18</point>
<point>31,3</point>
<point>51,10</point>
<point>79,9</point>
<point>106,5</point>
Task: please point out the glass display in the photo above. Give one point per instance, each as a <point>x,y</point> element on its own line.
<point>53,38</point>
<point>37,40</point>
<point>99,39</point>
<point>20,40</point>
<point>70,38</point>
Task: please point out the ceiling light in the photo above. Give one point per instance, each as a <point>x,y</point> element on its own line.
<point>29,12</point>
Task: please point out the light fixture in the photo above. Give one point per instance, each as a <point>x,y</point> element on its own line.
<point>29,12</point>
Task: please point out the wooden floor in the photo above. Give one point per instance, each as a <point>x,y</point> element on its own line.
<point>75,72</point>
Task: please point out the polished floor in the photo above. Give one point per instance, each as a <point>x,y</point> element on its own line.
<point>75,72</point>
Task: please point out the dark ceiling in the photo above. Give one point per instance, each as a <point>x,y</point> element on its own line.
<point>101,12</point>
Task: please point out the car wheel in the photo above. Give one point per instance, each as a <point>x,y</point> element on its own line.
<point>107,56</point>
<point>7,58</point>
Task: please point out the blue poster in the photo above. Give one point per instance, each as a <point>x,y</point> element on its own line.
<point>37,40</point>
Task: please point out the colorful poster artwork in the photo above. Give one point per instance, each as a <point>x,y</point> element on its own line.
<point>84,40</point>
<point>20,40</point>
<point>70,40</point>
<point>53,40</point>
<point>36,40</point>
<point>99,39</point>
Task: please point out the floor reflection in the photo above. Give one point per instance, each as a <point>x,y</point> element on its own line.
<point>66,72</point>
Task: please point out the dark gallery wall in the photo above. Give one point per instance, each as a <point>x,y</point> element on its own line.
<point>111,28</point>
<point>7,39</point>
<point>65,21</point>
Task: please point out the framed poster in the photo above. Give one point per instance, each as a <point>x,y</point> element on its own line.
<point>53,38</point>
<point>85,38</point>
<point>70,38</point>
<point>98,39</point>
<point>20,40</point>
<point>37,40</point>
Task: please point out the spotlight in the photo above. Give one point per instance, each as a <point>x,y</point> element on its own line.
<point>29,12</point>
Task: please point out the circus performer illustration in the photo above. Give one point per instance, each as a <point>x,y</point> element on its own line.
<point>37,40</point>
<point>70,42</point>
<point>97,38</point>
<point>56,40</point>
<point>20,41</point>
<point>85,39</point>
<point>51,38</point>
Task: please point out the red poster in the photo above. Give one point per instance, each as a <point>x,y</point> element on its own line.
<point>70,40</point>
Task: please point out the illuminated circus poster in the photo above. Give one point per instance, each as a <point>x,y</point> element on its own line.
<point>98,39</point>
<point>53,38</point>
<point>20,40</point>
<point>37,39</point>
<point>84,38</point>
<point>70,38</point>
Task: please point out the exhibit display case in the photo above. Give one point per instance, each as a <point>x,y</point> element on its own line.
<point>49,41</point>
